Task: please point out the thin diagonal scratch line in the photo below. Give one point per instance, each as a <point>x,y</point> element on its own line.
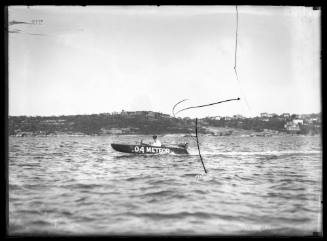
<point>235,63</point>
<point>199,106</point>
<point>235,59</point>
<point>176,105</point>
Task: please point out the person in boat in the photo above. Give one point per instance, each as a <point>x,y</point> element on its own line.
<point>155,142</point>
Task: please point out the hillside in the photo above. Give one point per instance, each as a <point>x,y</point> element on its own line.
<point>147,122</point>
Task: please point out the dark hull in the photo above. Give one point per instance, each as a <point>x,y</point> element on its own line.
<point>146,149</point>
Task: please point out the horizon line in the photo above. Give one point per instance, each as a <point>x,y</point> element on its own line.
<point>116,112</point>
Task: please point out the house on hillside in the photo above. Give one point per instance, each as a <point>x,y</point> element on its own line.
<point>151,115</point>
<point>127,114</point>
<point>238,117</point>
<point>297,121</point>
<point>303,116</point>
<point>286,115</point>
<point>165,116</point>
<point>266,115</point>
<point>292,127</point>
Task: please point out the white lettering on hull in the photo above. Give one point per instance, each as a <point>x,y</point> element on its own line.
<point>149,149</point>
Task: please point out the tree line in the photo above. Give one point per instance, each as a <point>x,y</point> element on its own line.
<point>97,123</point>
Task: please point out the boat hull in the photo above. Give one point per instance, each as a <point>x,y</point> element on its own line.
<point>147,149</point>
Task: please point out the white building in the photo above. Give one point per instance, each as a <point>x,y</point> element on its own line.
<point>238,117</point>
<point>266,115</point>
<point>292,127</point>
<point>298,121</point>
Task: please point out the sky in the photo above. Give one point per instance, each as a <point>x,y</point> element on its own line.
<point>101,59</point>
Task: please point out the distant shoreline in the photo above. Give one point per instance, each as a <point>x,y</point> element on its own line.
<point>255,134</point>
<point>149,123</point>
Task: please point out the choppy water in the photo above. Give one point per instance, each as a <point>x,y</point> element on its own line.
<point>79,185</point>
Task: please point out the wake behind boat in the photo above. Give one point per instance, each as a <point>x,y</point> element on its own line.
<point>148,149</point>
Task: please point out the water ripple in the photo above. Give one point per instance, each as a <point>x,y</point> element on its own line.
<point>79,185</point>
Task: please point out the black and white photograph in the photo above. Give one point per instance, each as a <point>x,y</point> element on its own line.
<point>154,120</point>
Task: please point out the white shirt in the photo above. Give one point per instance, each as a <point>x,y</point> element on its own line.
<point>156,143</point>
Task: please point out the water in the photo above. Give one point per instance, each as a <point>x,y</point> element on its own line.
<point>79,185</point>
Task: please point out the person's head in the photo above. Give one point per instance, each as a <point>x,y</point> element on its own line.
<point>154,137</point>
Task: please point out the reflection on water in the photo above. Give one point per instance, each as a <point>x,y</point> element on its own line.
<point>79,185</point>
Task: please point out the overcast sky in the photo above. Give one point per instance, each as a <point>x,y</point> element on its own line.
<point>83,60</point>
